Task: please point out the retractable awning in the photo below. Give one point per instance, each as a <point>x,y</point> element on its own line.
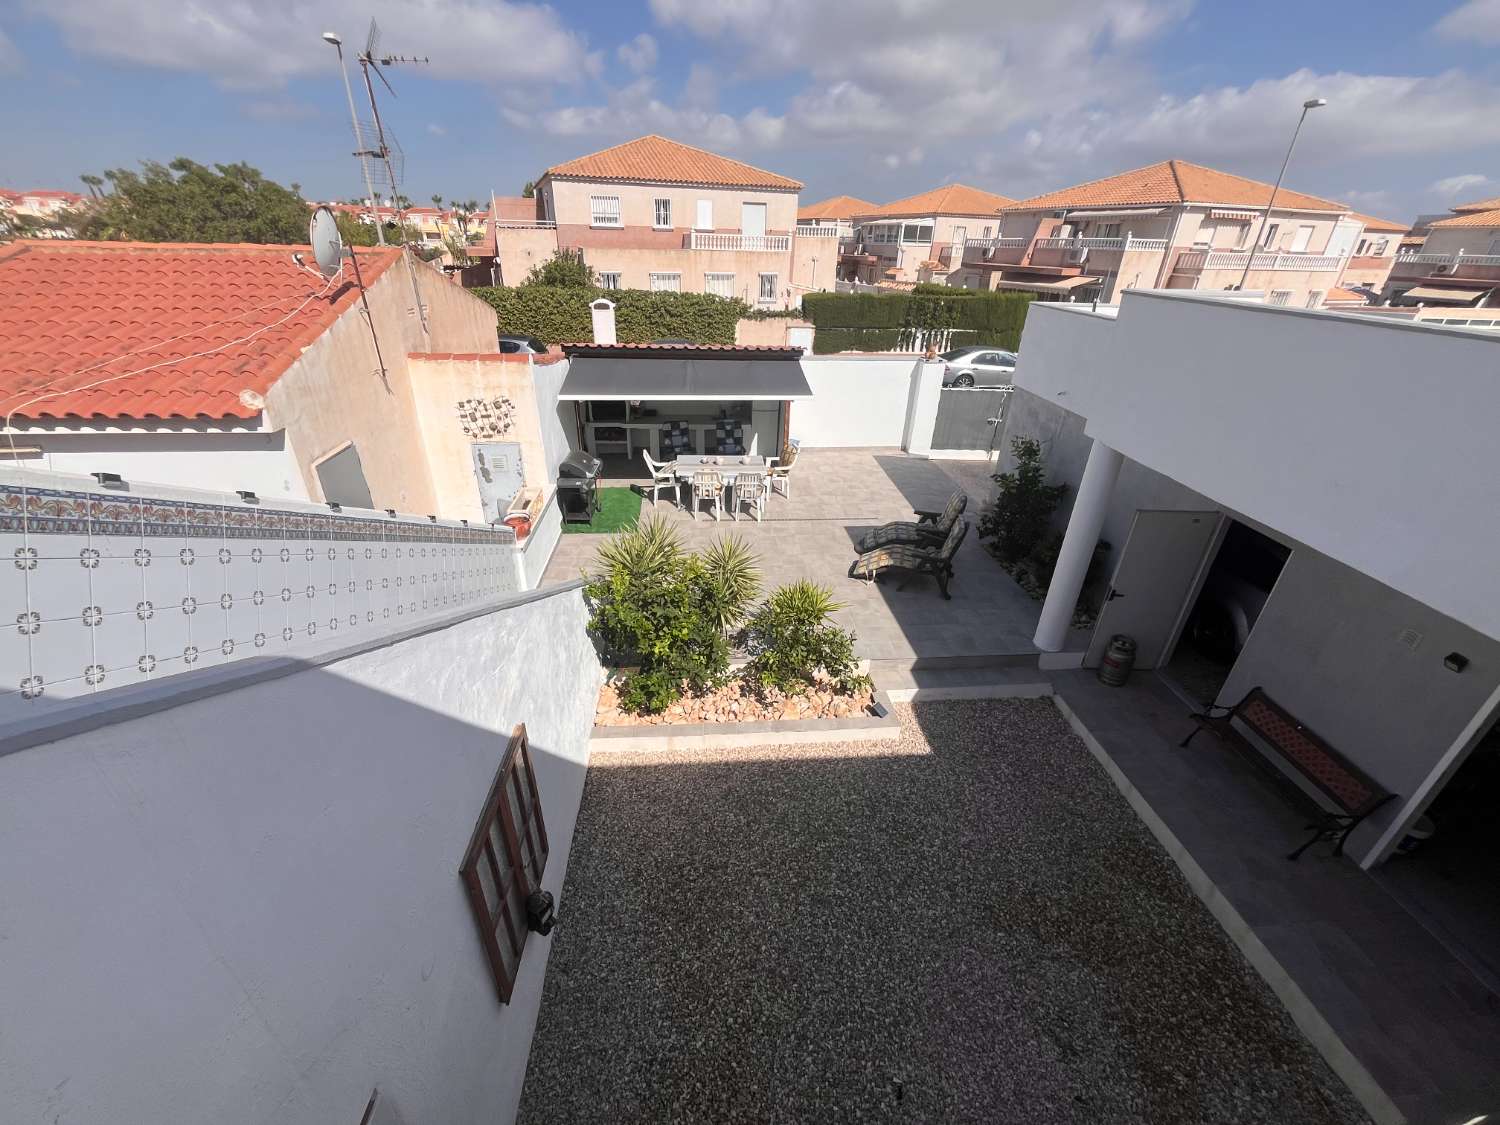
<point>1064,285</point>
<point>1233,216</point>
<point>621,379</point>
<point>1114,212</point>
<point>1432,293</point>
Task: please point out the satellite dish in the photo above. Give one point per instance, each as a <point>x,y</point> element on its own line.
<point>327,243</point>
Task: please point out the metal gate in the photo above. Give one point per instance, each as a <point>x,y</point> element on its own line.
<point>969,418</point>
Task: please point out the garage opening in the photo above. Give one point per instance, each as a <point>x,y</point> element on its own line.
<point>1238,584</point>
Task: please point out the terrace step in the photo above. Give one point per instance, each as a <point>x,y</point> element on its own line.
<point>1012,679</point>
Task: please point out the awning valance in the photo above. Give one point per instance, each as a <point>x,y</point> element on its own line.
<point>1234,216</point>
<point>1115,213</point>
<point>630,379</point>
<point>1063,285</point>
<point>1433,293</point>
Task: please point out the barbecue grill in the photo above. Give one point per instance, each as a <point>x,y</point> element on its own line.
<point>578,487</point>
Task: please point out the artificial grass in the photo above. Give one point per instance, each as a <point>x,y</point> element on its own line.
<point>619,508</point>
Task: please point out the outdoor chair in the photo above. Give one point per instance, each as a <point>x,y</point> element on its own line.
<point>676,439</point>
<point>936,561</point>
<point>780,471</point>
<point>729,436</point>
<point>663,475</point>
<point>752,489</point>
<point>708,485</point>
<point>928,530</point>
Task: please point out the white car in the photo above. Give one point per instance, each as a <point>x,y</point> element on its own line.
<point>978,367</point>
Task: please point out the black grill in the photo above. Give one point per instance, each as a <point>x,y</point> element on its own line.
<point>578,487</point>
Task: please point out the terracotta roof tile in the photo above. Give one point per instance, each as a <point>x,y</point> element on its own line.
<point>1471,219</point>
<point>1384,225</point>
<point>1170,182</point>
<point>1477,205</point>
<point>1339,294</point>
<point>837,207</point>
<point>951,199</point>
<point>77,313</point>
<point>657,160</point>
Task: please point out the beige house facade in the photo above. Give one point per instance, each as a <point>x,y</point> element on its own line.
<point>919,238</point>
<point>1454,276</point>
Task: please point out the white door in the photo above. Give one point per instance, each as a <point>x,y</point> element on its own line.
<point>1152,582</point>
<point>753,219</point>
<point>705,219</point>
<point>1304,236</point>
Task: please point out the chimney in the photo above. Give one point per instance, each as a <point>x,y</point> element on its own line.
<point>604,321</point>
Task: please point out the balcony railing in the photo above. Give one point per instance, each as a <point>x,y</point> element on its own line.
<point>993,243</point>
<point>1460,258</point>
<point>767,243</point>
<point>526,224</point>
<point>1235,260</point>
<point>817,232</point>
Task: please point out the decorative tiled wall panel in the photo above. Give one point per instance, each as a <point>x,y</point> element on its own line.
<point>100,588</point>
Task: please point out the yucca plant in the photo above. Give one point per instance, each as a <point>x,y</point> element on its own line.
<point>731,577</point>
<point>650,550</point>
<point>791,640</point>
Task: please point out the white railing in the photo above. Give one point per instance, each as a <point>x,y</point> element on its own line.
<point>994,243</point>
<point>1080,244</point>
<point>527,224</point>
<point>817,232</point>
<point>1235,260</point>
<point>769,243</point>
<point>1145,244</point>
<point>1460,258</point>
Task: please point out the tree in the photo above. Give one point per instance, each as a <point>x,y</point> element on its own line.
<point>95,185</point>
<point>566,269</point>
<point>458,249</point>
<point>354,232</point>
<point>437,201</point>
<point>529,191</point>
<point>184,201</point>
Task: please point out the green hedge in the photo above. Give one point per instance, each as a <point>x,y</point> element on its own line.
<point>557,315</point>
<point>881,321</point>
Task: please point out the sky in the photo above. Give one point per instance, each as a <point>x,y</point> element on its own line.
<point>873,98</point>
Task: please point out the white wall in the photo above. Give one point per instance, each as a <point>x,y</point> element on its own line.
<point>857,401</point>
<point>247,908</point>
<point>224,462</point>
<point>1371,442</point>
<point>559,434</point>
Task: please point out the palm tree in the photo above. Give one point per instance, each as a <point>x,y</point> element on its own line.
<point>94,183</point>
<point>437,201</point>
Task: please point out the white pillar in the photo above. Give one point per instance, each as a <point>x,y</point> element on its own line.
<point>922,402</point>
<point>603,313</point>
<point>1084,525</point>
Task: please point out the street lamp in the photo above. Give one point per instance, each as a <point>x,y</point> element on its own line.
<point>338,45</point>
<point>1311,103</point>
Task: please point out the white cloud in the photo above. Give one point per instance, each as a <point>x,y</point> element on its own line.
<point>1451,187</point>
<point>437,130</point>
<point>1477,22</point>
<point>639,54</point>
<point>261,46</point>
<point>11,61</point>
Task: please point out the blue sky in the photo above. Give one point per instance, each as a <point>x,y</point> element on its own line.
<point>874,98</point>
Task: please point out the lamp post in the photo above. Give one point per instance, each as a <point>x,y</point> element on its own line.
<point>1311,103</point>
<point>338,45</point>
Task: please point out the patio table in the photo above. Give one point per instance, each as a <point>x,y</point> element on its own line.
<point>727,465</point>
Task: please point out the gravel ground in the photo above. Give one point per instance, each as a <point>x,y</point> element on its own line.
<point>968,926</point>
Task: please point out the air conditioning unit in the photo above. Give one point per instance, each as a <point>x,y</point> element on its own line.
<point>1073,257</point>
<point>989,252</point>
<point>1442,269</point>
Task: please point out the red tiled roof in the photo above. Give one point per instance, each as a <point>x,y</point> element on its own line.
<point>837,207</point>
<point>1339,294</point>
<point>1471,219</point>
<point>951,199</point>
<point>657,160</point>
<point>77,313</point>
<point>1174,181</point>
<point>1383,225</point>
<point>1477,205</point>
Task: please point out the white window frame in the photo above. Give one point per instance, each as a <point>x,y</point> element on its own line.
<point>1109,230</point>
<point>705,211</point>
<point>1279,297</point>
<point>1273,230</point>
<point>724,279</point>
<point>658,281</point>
<point>661,206</point>
<point>1315,299</point>
<point>609,279</point>
<point>917,239</point>
<point>604,211</point>
<point>775,289</point>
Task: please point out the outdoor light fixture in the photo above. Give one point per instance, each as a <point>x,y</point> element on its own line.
<point>1310,104</point>
<point>247,496</point>
<point>108,480</point>
<point>432,519</point>
<point>391,512</point>
<point>330,37</point>
<point>541,912</point>
<point>1455,662</point>
<point>335,506</point>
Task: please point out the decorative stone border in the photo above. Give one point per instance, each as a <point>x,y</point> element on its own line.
<point>724,736</point>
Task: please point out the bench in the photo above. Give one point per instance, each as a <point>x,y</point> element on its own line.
<point>1352,792</point>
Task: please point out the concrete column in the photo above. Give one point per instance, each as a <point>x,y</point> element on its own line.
<point>1084,525</point>
<point>922,407</point>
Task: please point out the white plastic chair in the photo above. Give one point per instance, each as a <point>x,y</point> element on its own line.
<point>663,475</point>
<point>782,473</point>
<point>752,489</point>
<point>708,485</point>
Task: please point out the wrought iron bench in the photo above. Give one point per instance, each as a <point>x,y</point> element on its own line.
<point>928,530</point>
<point>936,560</point>
<point>1354,793</point>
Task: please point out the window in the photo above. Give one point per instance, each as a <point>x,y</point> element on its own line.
<point>666,283</point>
<point>1495,246</point>
<point>663,219</point>
<point>768,287</point>
<point>1364,245</point>
<point>705,220</point>
<point>1109,230</point>
<point>604,210</point>
<point>1279,297</point>
<point>1315,299</point>
<point>504,863</point>
<point>719,284</point>
<point>1380,245</point>
<point>988,231</point>
<point>609,280</point>
<point>1272,230</point>
<point>917,232</point>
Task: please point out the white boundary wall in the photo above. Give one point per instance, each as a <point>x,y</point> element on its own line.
<point>862,401</point>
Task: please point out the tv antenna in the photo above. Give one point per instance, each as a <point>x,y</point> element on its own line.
<point>330,253</point>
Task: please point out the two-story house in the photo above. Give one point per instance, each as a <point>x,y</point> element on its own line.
<point>1172,225</point>
<point>1373,254</point>
<point>656,214</point>
<point>837,212</point>
<point>921,237</point>
<point>1454,276</point>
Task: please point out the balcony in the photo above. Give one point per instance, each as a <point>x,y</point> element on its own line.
<point>752,243</point>
<point>1200,260</point>
<point>817,232</point>
<point>1452,264</point>
<point>1128,242</point>
<point>525,224</point>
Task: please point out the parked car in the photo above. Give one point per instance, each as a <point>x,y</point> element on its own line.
<point>522,344</point>
<point>978,367</point>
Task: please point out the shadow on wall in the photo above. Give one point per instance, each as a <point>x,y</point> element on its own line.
<point>263,884</point>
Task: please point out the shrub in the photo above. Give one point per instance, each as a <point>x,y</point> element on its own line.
<point>732,581</point>
<point>1020,516</point>
<point>860,321</point>
<point>566,269</point>
<point>557,314</point>
<point>790,640</point>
